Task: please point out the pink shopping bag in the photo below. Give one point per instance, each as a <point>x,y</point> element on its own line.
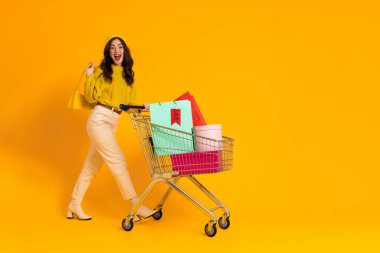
<point>197,162</point>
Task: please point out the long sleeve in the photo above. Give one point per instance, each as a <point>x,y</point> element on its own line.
<point>133,95</point>
<point>133,100</point>
<point>97,89</point>
<point>92,86</point>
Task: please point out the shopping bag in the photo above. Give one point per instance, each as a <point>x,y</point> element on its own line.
<point>198,119</point>
<point>169,120</point>
<point>196,162</point>
<point>77,100</point>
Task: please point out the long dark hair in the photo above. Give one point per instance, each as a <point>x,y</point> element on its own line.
<point>127,63</point>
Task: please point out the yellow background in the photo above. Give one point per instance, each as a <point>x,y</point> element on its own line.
<point>296,83</point>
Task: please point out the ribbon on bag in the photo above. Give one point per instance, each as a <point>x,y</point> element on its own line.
<point>176,116</point>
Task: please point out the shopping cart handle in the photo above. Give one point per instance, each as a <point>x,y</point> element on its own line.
<point>127,107</point>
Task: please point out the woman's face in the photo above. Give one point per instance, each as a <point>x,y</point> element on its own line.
<point>117,52</point>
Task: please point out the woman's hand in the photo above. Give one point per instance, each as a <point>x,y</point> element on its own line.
<point>146,105</point>
<point>90,69</point>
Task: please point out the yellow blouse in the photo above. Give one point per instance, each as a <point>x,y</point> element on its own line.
<point>96,89</point>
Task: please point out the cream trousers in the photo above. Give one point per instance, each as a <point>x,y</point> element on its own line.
<point>101,128</point>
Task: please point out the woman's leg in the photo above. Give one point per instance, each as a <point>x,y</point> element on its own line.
<point>90,168</point>
<point>101,129</point>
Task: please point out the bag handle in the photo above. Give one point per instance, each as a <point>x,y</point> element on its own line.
<point>80,79</point>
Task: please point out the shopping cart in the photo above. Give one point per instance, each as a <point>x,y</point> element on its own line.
<point>216,156</point>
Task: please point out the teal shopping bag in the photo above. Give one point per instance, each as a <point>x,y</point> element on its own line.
<point>172,126</point>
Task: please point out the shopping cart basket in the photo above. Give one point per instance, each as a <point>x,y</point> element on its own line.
<point>215,157</point>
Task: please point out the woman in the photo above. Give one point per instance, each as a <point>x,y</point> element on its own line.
<point>108,85</point>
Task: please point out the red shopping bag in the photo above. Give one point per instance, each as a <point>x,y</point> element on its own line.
<point>198,119</point>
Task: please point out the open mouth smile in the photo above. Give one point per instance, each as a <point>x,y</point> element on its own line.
<point>117,57</point>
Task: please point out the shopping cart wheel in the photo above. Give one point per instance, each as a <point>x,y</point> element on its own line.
<point>157,215</point>
<point>210,232</point>
<point>224,225</point>
<point>127,226</point>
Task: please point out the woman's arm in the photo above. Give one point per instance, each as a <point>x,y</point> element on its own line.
<point>133,101</point>
<point>133,95</point>
<point>91,85</point>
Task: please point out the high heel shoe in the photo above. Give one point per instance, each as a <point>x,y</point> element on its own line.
<point>75,209</point>
<point>139,217</point>
<point>143,212</point>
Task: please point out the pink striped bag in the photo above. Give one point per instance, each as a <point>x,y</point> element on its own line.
<point>196,162</point>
